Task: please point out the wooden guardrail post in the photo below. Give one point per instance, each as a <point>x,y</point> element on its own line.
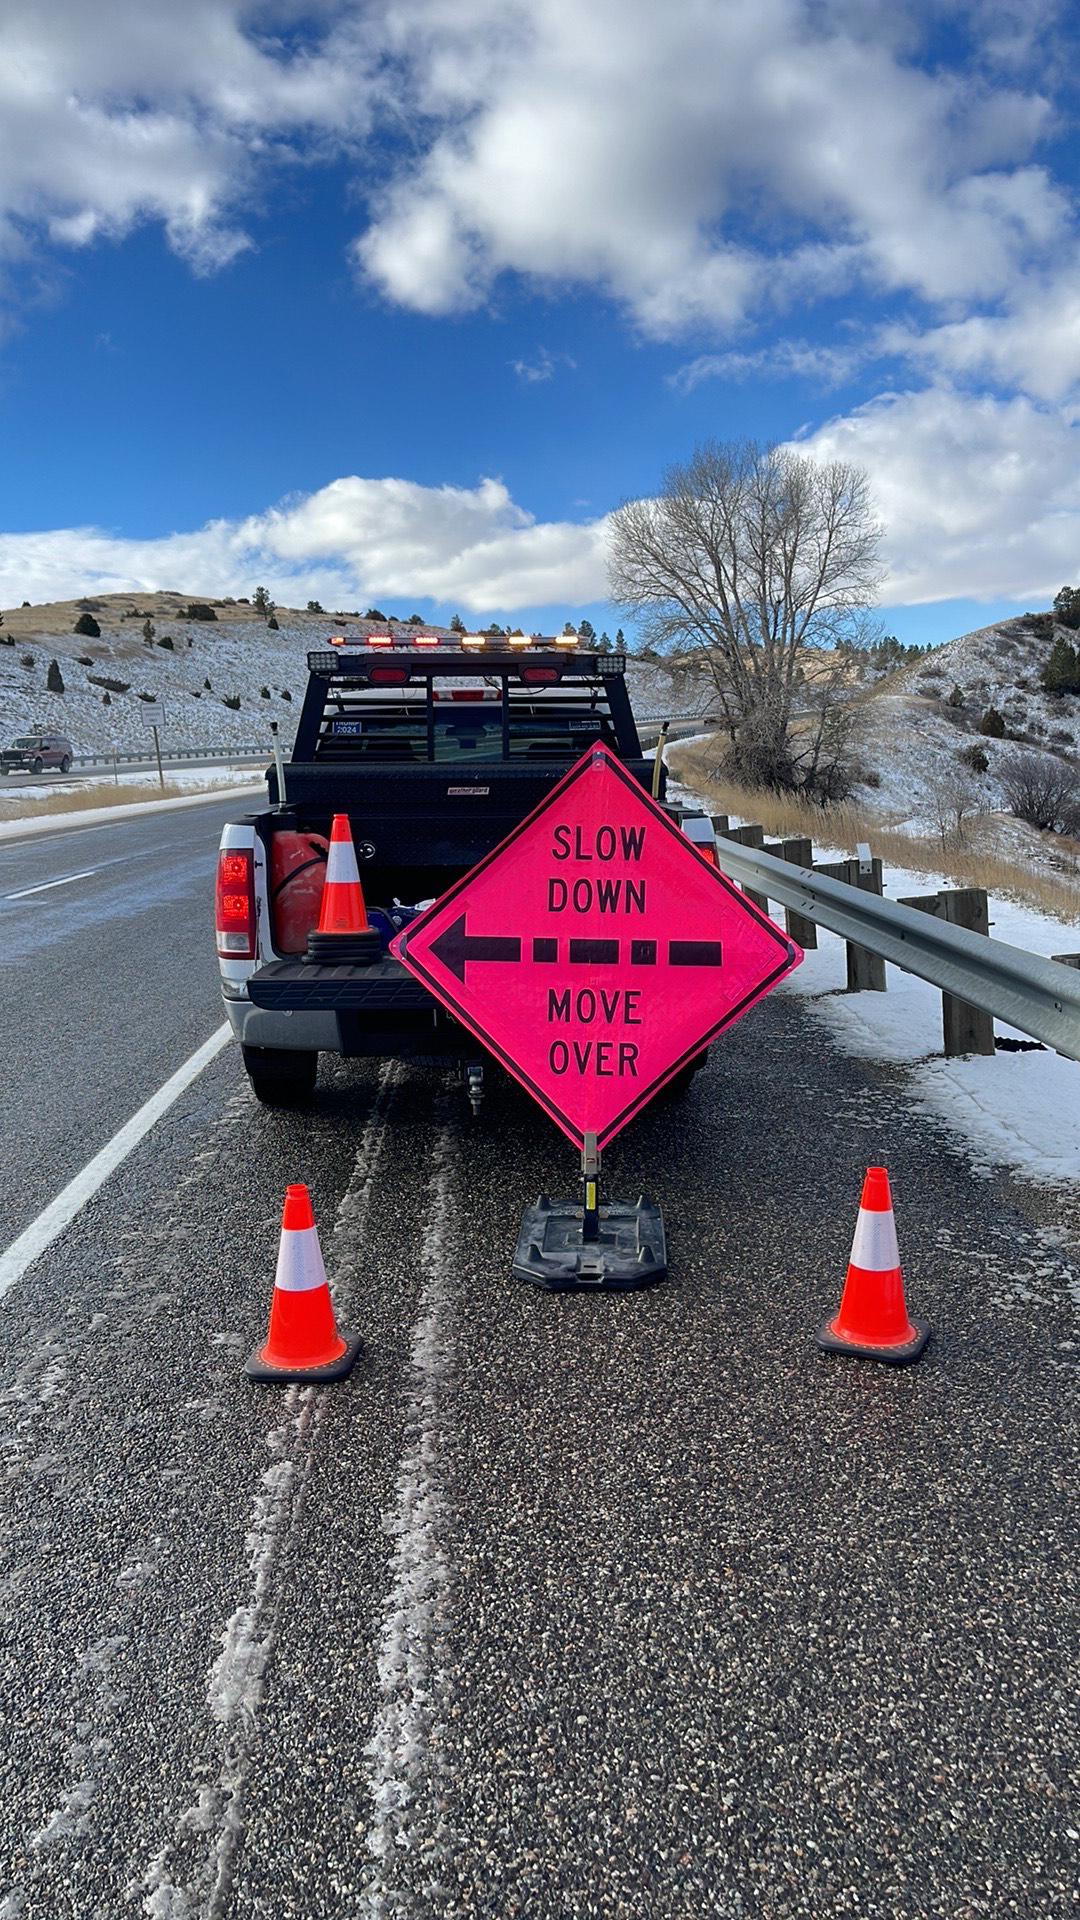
<point>865,970</point>
<point>800,852</point>
<point>752,836</point>
<point>721,825</point>
<point>965,1029</point>
<point>1067,959</point>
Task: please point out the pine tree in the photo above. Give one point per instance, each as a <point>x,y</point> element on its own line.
<point>457,624</point>
<point>1067,606</point>
<point>148,631</point>
<point>993,724</point>
<point>54,679</point>
<point>1061,669</point>
<point>586,630</point>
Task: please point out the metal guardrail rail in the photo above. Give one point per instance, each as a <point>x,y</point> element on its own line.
<point>1040,997</point>
<point>205,754</point>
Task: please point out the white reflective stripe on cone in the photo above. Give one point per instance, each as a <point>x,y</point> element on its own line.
<point>341,866</point>
<point>875,1247</point>
<point>300,1263</point>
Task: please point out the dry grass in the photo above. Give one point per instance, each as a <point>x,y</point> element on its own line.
<point>789,816</point>
<point>107,797</point>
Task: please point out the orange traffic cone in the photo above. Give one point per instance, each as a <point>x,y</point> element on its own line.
<point>343,933</point>
<point>873,1317</point>
<point>303,1342</point>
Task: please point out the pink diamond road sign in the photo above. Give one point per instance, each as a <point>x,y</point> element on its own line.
<point>595,951</point>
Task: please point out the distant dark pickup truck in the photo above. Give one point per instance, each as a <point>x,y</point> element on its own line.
<point>435,752</point>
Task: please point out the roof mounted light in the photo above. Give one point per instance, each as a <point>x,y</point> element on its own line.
<point>567,639</point>
<point>426,640</point>
<point>518,640</point>
<point>336,640</point>
<point>611,663</point>
<point>474,640</point>
<point>380,639</point>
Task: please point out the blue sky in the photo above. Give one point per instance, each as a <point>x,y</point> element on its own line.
<point>394,302</point>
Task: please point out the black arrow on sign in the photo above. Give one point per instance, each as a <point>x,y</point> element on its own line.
<point>455,948</point>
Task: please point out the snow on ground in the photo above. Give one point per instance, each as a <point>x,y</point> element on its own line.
<point>1020,1110</point>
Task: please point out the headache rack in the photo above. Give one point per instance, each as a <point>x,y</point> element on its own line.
<point>395,707</point>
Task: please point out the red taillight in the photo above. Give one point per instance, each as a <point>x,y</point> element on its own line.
<point>235,915</point>
<point>388,676</point>
<point>539,676</point>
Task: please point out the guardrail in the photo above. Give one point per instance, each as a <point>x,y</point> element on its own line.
<point>170,753</point>
<point>1041,997</point>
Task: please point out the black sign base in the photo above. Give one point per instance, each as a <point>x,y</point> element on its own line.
<point>629,1249</point>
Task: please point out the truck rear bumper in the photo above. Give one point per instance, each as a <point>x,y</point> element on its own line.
<point>358,1011</point>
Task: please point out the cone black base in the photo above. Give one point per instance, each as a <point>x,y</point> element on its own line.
<point>344,949</point>
<point>256,1368</point>
<point>902,1356</point>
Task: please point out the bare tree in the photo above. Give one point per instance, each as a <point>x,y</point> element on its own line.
<point>758,558</point>
<point>1042,790</point>
<point>954,795</point>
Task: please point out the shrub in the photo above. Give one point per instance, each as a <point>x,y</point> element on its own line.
<point>956,697</point>
<point>1042,790</point>
<point>208,687</point>
<point>1061,735</point>
<point>992,724</point>
<point>54,679</point>
<point>28,603</point>
<point>114,686</point>
<point>272,624</point>
<point>376,613</point>
<point>314,607</point>
<point>264,693</point>
<point>106,699</point>
<point>871,779</point>
<point>457,624</point>
<point>198,610</point>
<point>975,757</point>
<point>7,639</point>
<point>932,672</point>
<point>1039,623</point>
<point>196,693</point>
<point>88,625</point>
<point>232,700</point>
<point>148,696</point>
<point>148,631</point>
<point>86,606</point>
<point>26,659</point>
<point>285,694</point>
<point>167,642</point>
<point>84,660</point>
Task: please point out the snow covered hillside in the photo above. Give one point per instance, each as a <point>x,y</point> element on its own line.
<point>912,736</point>
<point>236,653</point>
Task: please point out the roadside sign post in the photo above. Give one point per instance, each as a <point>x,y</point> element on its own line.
<point>596,953</point>
<point>155,714</point>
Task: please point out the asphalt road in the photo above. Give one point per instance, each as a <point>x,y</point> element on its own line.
<point>560,1606</point>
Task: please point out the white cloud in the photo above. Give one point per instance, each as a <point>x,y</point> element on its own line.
<point>696,163</point>
<point>352,541</point>
<point>1034,344</point>
<point>653,152</point>
<point>783,360</point>
<point>544,367</point>
<point>980,496</point>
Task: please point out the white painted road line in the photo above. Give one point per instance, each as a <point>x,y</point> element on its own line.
<point>60,1212</point>
<point>25,892</point>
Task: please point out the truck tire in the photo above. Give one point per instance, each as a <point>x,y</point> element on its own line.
<point>679,1086</point>
<point>280,1076</point>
